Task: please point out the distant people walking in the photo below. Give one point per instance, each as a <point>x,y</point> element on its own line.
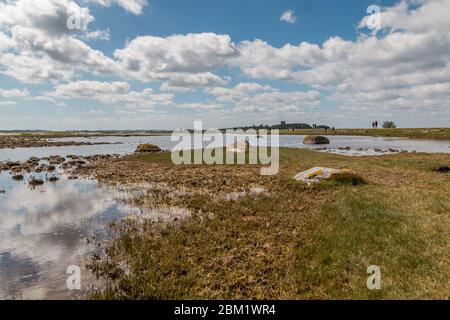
<point>375,124</point>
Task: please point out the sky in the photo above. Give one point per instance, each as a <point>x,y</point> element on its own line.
<point>163,64</point>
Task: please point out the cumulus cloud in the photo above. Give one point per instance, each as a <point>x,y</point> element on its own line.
<point>237,93</point>
<point>134,6</point>
<point>183,60</point>
<point>254,97</point>
<point>114,93</point>
<point>405,65</point>
<point>99,35</point>
<point>288,16</point>
<point>42,47</point>
<point>410,53</point>
<point>183,82</point>
<point>14,93</point>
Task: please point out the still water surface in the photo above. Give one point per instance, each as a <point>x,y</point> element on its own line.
<point>128,145</point>
<point>43,230</point>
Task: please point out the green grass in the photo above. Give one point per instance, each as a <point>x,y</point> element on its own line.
<point>293,242</point>
<point>418,133</point>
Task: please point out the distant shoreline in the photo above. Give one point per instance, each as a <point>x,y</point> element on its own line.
<point>415,133</point>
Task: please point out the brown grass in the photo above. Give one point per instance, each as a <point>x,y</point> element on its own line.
<point>291,242</point>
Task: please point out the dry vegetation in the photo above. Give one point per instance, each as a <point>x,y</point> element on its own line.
<point>289,242</point>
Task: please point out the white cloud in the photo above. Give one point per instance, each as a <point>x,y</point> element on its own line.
<point>404,67</point>
<point>41,46</point>
<point>134,6</point>
<point>199,106</point>
<point>180,82</point>
<point>99,35</point>
<point>113,93</point>
<point>183,60</point>
<point>14,93</point>
<point>254,97</point>
<point>7,103</point>
<point>238,92</point>
<point>288,16</point>
<point>6,42</point>
<point>410,52</point>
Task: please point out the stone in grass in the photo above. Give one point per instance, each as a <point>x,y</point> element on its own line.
<point>147,148</point>
<point>318,174</point>
<point>443,169</point>
<point>345,176</point>
<point>316,140</point>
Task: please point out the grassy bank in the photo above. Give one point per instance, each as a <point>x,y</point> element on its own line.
<point>418,133</point>
<point>289,242</point>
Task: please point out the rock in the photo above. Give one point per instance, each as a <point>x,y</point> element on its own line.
<point>147,148</point>
<point>53,179</point>
<point>346,176</point>
<point>2,190</point>
<point>56,160</point>
<point>239,147</point>
<point>344,148</point>
<point>316,140</point>
<point>16,169</point>
<point>18,177</point>
<point>444,169</point>
<point>318,174</point>
<point>11,164</point>
<point>51,168</point>
<point>36,182</point>
<point>72,178</point>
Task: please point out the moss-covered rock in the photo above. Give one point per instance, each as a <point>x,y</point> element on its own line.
<point>340,176</point>
<point>147,148</point>
<point>345,176</point>
<point>316,140</point>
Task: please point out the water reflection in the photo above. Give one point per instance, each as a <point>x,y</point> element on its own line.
<point>43,231</point>
<point>366,146</point>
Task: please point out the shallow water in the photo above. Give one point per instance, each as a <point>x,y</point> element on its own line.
<point>128,145</point>
<point>44,230</point>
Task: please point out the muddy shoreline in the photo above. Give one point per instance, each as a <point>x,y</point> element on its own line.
<point>18,141</point>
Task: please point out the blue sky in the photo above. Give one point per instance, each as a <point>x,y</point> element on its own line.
<point>161,64</point>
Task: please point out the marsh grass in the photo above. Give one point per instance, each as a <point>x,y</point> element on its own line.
<point>291,242</point>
